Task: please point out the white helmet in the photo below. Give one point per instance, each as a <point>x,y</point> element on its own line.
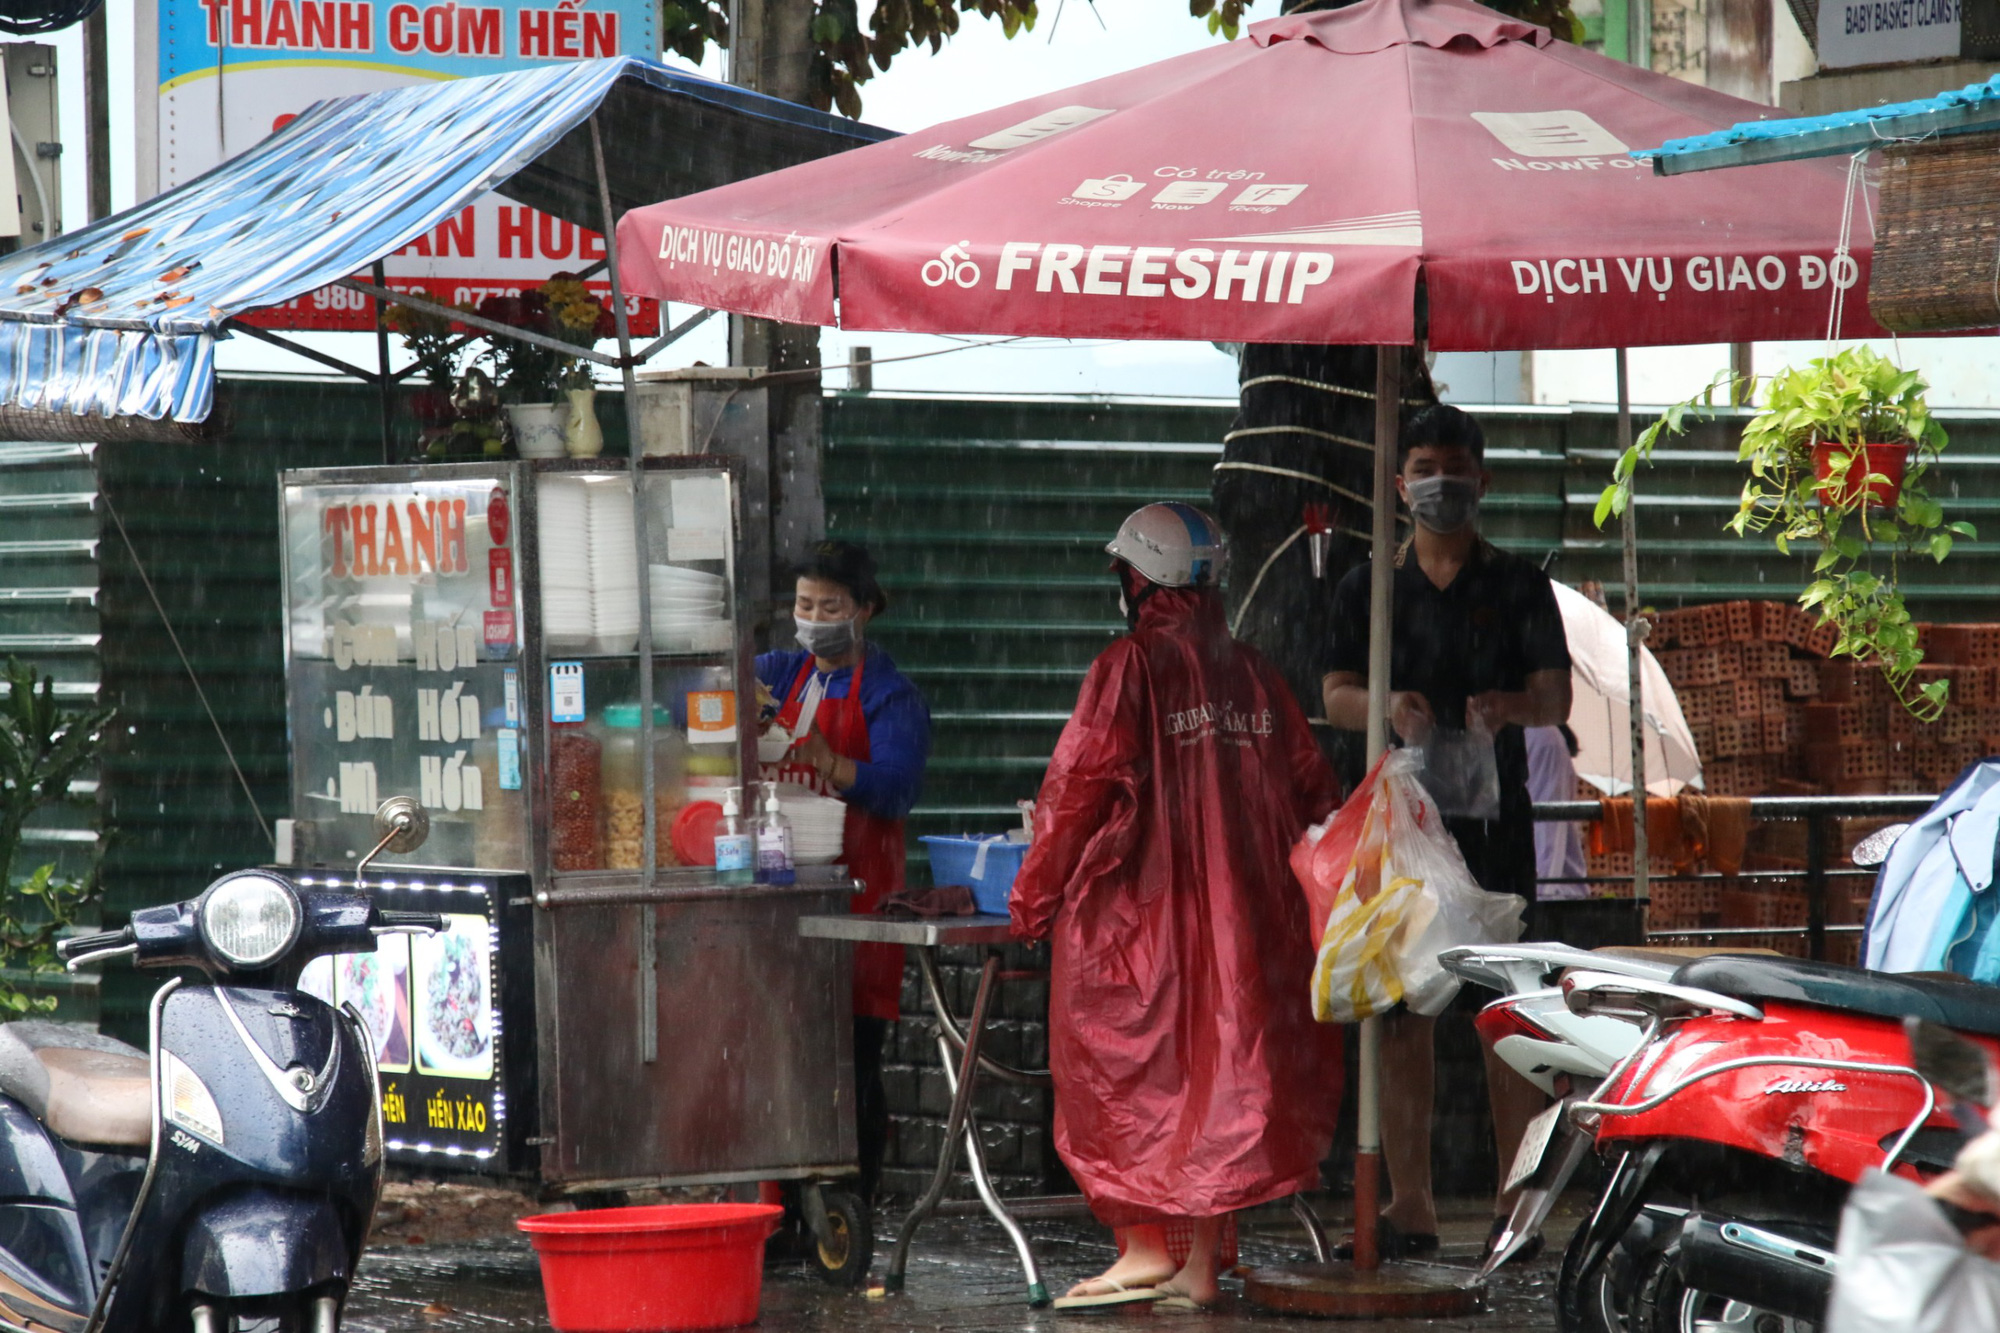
<point>1173,544</point>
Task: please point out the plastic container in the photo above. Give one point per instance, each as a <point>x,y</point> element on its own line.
<point>625,787</point>
<point>653,1269</point>
<point>774,841</point>
<point>576,798</point>
<point>991,878</point>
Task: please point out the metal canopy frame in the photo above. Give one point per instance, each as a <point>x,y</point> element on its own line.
<point>625,363</point>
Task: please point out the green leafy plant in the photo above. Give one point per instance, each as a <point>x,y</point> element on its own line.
<point>844,51</point>
<point>1851,398</point>
<point>43,748</point>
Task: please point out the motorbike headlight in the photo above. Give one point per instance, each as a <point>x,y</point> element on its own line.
<point>250,919</point>
<point>188,1101</point>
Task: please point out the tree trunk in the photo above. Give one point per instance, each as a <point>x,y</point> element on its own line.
<point>771,52</point>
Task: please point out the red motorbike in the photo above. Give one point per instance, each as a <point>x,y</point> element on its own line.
<point>1762,1089</point>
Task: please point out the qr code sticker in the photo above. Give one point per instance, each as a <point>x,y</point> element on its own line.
<point>709,710</point>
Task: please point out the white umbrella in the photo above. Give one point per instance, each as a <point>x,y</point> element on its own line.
<point>1601,712</point>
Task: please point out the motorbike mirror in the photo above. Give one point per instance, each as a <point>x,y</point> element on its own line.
<point>1874,849</point>
<point>402,824</point>
<point>1946,1060</point>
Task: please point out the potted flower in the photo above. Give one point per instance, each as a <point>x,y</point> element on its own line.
<point>583,321</point>
<point>1838,457</point>
<point>430,340</point>
<point>526,372</point>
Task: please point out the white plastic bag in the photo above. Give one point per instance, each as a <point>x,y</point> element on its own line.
<point>1402,896</point>
<point>1904,1268</point>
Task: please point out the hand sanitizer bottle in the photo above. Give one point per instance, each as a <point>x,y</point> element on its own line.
<point>735,846</point>
<point>774,842</point>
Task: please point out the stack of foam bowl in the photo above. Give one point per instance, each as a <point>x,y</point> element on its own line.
<point>690,610</point>
<point>564,524</point>
<point>817,824</point>
<point>614,568</point>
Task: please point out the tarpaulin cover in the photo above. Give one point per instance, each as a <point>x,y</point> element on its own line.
<point>1294,186</point>
<point>1881,119</point>
<point>120,318</point>
<point>1190,1076</point>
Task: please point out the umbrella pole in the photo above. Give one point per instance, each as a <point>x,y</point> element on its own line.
<point>1381,623</point>
<point>1635,640</point>
<point>1366,1290</point>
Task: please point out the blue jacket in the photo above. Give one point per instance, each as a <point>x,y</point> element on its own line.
<point>899,726</point>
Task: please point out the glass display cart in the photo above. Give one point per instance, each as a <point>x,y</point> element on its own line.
<point>604,1014</point>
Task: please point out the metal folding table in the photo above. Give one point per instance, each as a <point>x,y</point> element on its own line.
<point>959,1054</point>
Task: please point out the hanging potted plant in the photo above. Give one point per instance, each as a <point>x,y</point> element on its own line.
<point>526,372</point>
<point>583,320</point>
<point>1838,458</point>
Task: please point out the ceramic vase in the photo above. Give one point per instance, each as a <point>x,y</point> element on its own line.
<point>582,437</point>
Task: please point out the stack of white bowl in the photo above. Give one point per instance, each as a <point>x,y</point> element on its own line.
<point>563,521</point>
<point>690,610</point>
<point>817,824</point>
<point>614,568</point>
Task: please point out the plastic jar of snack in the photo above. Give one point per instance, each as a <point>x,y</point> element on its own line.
<point>625,786</point>
<point>576,798</point>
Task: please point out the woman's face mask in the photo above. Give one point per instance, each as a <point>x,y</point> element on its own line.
<point>825,638</point>
<point>1443,503</point>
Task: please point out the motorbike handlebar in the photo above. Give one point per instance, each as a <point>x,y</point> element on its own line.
<point>78,945</point>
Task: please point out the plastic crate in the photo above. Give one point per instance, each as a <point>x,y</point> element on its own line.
<point>990,876</point>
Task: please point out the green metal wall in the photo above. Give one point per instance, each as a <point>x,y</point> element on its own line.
<point>988,517</point>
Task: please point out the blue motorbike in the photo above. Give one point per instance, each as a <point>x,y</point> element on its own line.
<point>225,1183</point>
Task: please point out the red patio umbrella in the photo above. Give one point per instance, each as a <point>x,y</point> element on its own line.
<point>1300,185</point>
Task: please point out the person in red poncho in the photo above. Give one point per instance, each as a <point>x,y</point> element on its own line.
<point>1190,1077</point>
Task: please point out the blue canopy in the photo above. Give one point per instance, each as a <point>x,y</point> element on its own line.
<point>121,317</point>
<point>1973,108</point>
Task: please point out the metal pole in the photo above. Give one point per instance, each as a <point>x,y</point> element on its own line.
<point>635,450</point>
<point>1635,641</point>
<point>383,384</point>
<point>1381,621</point>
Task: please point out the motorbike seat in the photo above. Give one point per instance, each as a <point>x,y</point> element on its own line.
<point>1961,1004</point>
<point>86,1087</point>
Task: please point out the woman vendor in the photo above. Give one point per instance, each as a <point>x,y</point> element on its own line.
<point>1190,1077</point>
<point>864,735</point>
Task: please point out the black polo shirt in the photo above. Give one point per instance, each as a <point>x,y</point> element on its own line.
<point>1496,624</point>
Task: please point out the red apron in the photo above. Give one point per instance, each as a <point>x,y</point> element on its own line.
<point>871,846</point>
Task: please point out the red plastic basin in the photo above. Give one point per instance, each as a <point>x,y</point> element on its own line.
<point>654,1269</point>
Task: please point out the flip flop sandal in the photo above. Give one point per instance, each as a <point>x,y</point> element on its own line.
<point>1120,1295</point>
<point>1181,1305</point>
<point>1391,1242</point>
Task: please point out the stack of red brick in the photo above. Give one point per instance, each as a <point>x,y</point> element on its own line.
<point>1746,674</point>
<point>1771,715</point>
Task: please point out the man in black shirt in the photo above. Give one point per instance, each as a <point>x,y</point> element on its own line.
<point>1477,645</point>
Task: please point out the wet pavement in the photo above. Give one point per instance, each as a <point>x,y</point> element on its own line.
<point>963,1276</point>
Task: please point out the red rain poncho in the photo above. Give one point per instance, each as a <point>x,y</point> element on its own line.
<point>1190,1076</point>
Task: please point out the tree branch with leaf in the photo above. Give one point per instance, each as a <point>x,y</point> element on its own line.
<point>44,748</point>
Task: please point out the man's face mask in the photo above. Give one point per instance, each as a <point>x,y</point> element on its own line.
<point>1443,503</point>
<point>825,638</point>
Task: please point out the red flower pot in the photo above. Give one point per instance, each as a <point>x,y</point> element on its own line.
<point>1891,461</point>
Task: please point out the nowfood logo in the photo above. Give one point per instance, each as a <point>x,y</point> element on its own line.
<point>989,147</point>
<point>1554,141</point>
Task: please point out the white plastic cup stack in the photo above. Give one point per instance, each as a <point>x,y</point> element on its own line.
<point>563,522</point>
<point>614,567</point>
